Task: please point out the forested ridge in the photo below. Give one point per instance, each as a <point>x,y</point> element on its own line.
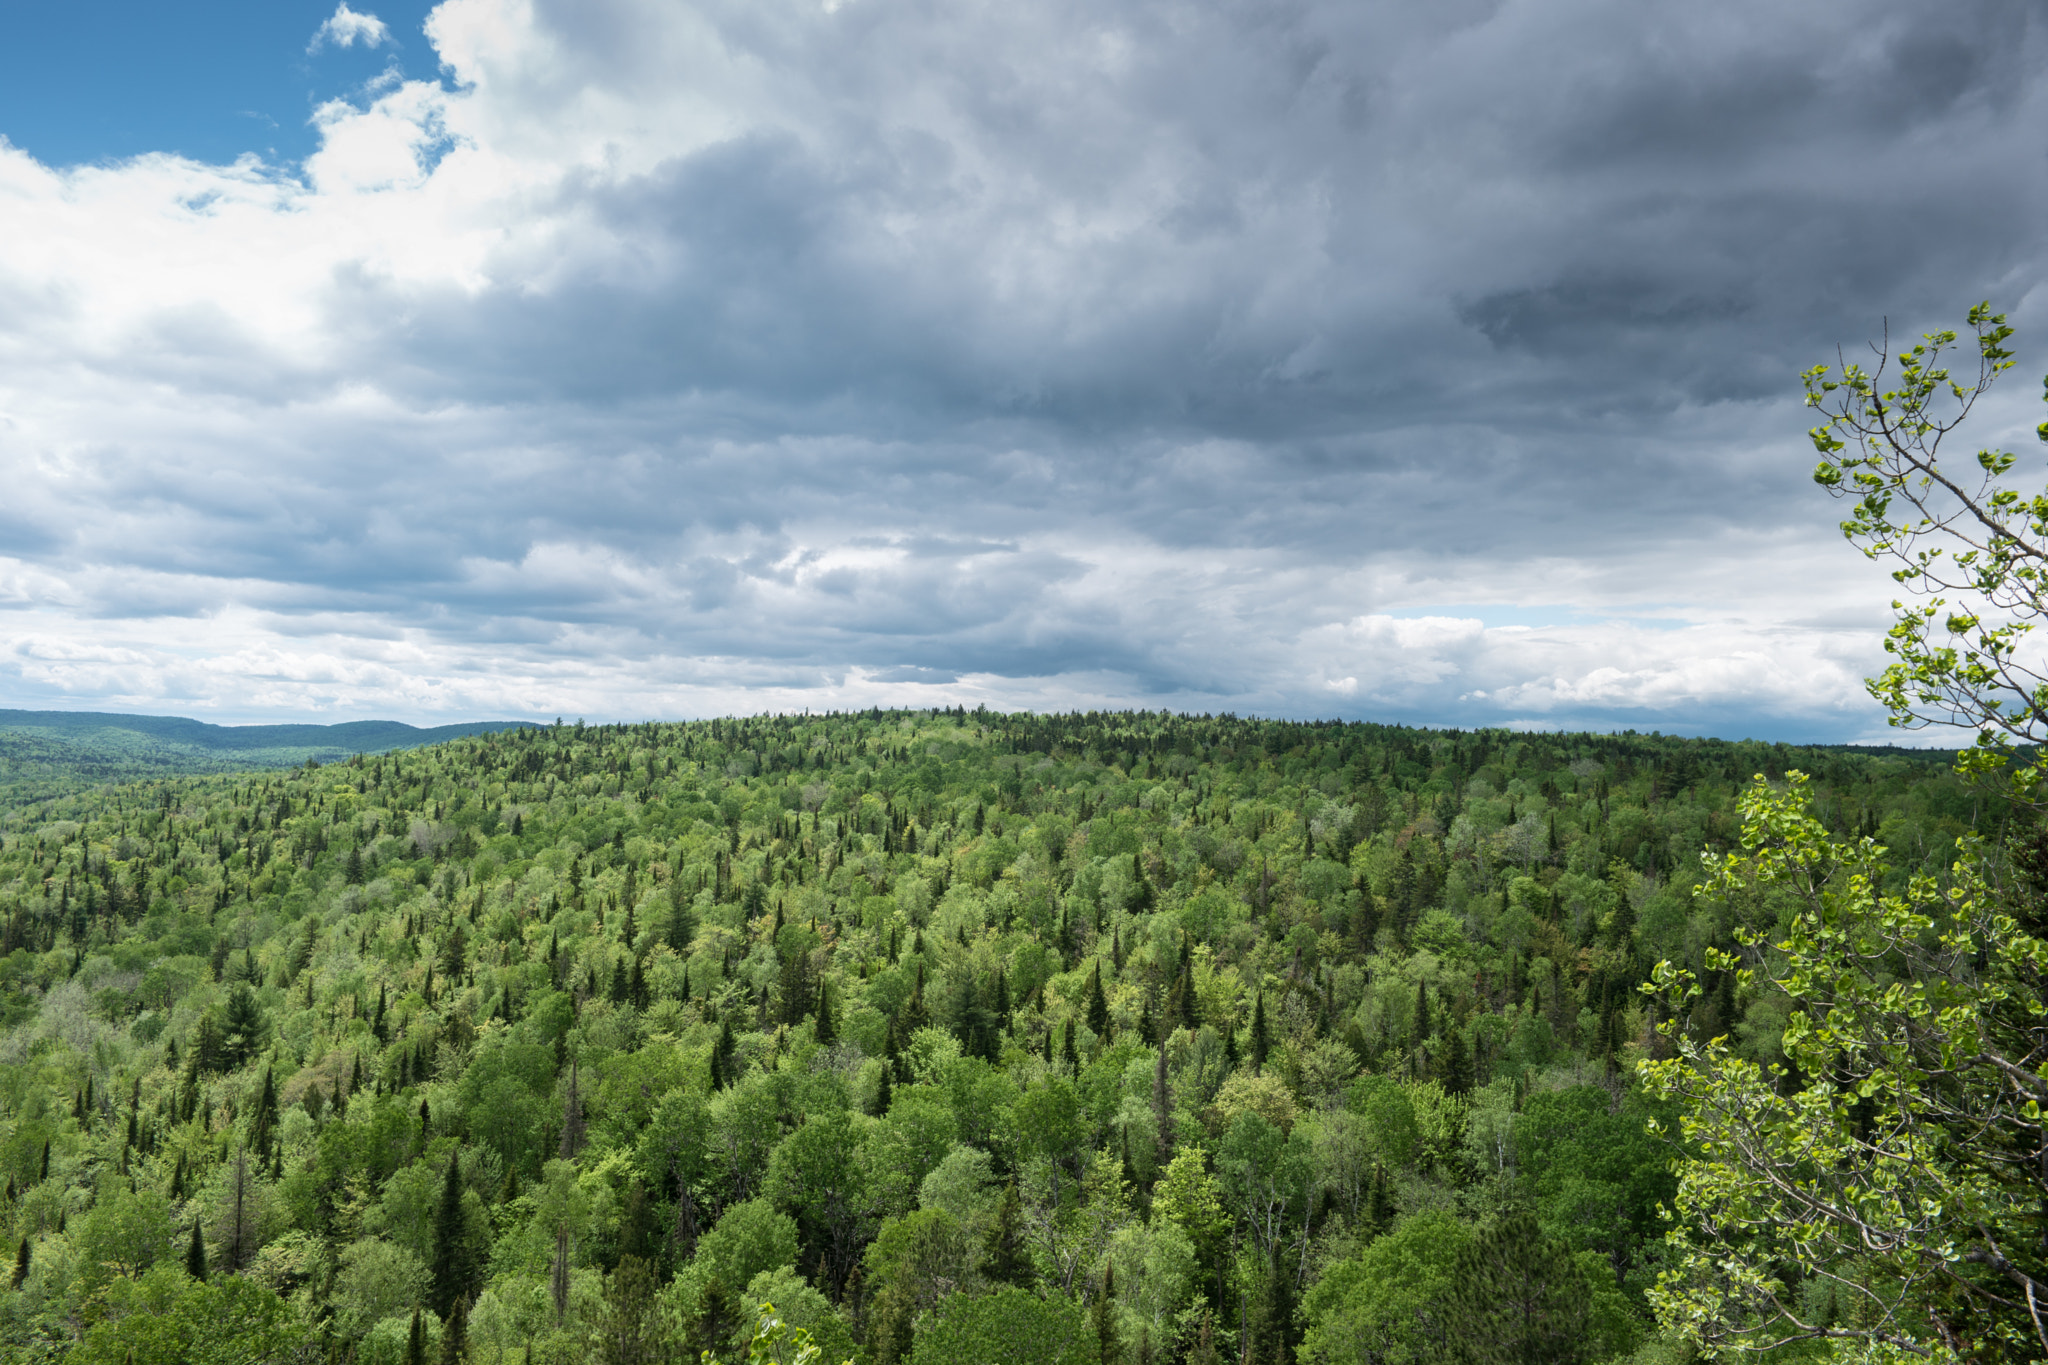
<point>45,754</point>
<point>956,1035</point>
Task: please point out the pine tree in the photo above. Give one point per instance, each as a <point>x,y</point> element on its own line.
<point>416,1341</point>
<point>1162,1112</point>
<point>679,929</point>
<point>1107,1339</point>
<point>206,1046</point>
<point>240,1243</point>
<point>1005,1258</point>
<point>1455,1071</point>
<point>825,1031</point>
<point>455,1334</point>
<point>721,1057</point>
<point>266,1112</point>
<point>195,1255</point>
<point>1180,1005</point>
<point>453,1264</point>
<point>914,1015</point>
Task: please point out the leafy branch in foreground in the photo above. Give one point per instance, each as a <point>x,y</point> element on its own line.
<point>1959,655</point>
<point>1883,1190</point>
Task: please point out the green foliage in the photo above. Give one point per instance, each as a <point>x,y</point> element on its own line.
<point>586,1042</point>
<point>1879,1186</point>
<point>1388,1303</point>
<point>176,1321</point>
<point>1962,537</point>
<point>1008,1327</point>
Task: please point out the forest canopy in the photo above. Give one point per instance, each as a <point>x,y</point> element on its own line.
<point>1133,1036</point>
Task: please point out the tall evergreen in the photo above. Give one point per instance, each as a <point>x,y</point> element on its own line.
<point>416,1341</point>
<point>825,1031</point>
<point>1005,1254</point>
<point>195,1255</point>
<point>1109,1343</point>
<point>455,1333</point>
<point>454,1264</point>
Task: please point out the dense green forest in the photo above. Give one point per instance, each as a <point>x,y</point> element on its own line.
<point>956,1035</point>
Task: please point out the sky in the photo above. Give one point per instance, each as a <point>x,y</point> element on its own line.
<point>1431,363</point>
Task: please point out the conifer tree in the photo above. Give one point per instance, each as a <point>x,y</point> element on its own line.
<point>453,1265</point>
<point>1098,1004</point>
<point>1162,1111</point>
<point>1455,1071</point>
<point>455,1333</point>
<point>1005,1258</point>
<point>914,1015</point>
<point>721,1057</point>
<point>1108,1341</point>
<point>195,1255</point>
<point>825,1031</point>
<point>22,1258</point>
<point>416,1341</point>
<point>266,1112</point>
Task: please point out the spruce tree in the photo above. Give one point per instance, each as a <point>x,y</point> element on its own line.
<point>452,1266</point>
<point>825,1031</point>
<point>195,1255</point>
<point>1455,1071</point>
<point>455,1333</point>
<point>21,1264</point>
<point>1098,1004</point>
<point>1108,1341</point>
<point>416,1341</point>
<point>721,1057</point>
<point>1004,1257</point>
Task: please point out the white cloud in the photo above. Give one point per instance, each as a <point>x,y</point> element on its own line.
<point>346,28</point>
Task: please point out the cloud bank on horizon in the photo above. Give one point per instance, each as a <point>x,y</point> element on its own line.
<point>1424,363</point>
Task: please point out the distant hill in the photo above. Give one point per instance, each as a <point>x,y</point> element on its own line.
<point>46,753</point>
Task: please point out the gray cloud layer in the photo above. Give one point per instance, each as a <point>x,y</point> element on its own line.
<point>1428,362</point>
